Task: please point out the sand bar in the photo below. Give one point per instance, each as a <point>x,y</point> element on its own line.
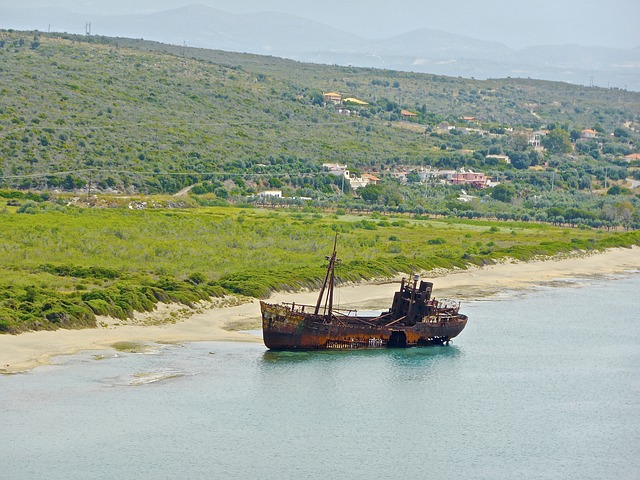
<point>20,353</point>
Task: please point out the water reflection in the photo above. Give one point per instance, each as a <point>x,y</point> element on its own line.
<point>420,356</point>
<point>401,356</point>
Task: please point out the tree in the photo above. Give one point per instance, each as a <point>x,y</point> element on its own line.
<point>557,141</point>
<point>370,193</point>
<point>503,193</point>
<point>624,211</point>
<point>73,183</point>
<point>392,197</point>
<point>518,142</point>
<point>620,133</point>
<point>618,190</point>
<point>553,212</point>
<point>275,182</point>
<point>317,98</point>
<point>534,157</point>
<point>413,177</point>
<point>222,192</point>
<point>574,135</point>
<point>520,160</point>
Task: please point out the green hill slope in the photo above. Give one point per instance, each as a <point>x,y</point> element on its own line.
<point>131,112</point>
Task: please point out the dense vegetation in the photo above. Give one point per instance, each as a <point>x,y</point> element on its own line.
<point>104,114</point>
<point>63,265</point>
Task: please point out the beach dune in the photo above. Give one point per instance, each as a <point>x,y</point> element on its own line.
<point>22,352</point>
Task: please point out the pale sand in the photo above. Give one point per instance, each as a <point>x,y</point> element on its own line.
<point>22,352</point>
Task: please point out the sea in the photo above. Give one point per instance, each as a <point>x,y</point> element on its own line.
<point>542,384</point>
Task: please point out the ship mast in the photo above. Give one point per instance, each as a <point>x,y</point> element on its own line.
<point>328,282</point>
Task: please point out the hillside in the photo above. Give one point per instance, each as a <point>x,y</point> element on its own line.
<point>129,110</point>
<point>316,39</point>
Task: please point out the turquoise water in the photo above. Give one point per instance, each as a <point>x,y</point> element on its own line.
<point>543,384</point>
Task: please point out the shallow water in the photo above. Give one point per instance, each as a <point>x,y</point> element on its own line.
<point>543,384</point>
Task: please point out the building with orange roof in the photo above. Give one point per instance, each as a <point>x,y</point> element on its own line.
<point>371,179</point>
<point>332,97</point>
<point>363,181</point>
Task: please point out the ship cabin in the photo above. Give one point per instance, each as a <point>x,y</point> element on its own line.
<point>412,302</point>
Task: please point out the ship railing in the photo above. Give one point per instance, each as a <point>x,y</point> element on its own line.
<point>444,316</point>
<point>448,304</point>
<point>302,308</point>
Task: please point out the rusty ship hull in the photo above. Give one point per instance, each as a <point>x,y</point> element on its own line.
<point>414,319</point>
<point>287,327</point>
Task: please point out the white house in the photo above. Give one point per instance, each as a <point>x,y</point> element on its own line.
<point>363,181</point>
<point>271,193</point>
<point>536,139</point>
<point>336,169</point>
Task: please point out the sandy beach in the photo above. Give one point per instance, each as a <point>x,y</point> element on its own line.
<point>19,353</point>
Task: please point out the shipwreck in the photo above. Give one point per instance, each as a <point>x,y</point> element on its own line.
<point>415,319</point>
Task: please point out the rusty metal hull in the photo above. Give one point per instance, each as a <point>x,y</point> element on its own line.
<point>286,328</point>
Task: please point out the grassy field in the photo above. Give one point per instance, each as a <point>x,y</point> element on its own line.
<point>62,265</point>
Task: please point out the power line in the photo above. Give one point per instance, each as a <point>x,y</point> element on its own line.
<point>91,171</point>
<point>248,123</point>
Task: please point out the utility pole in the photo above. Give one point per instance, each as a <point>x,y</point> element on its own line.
<point>87,29</point>
<point>605,178</point>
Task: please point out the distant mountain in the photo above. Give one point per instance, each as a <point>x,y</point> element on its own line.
<point>202,26</point>
<point>288,36</point>
<point>438,44</point>
<point>576,56</point>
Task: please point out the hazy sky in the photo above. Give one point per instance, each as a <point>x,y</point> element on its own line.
<point>515,23</point>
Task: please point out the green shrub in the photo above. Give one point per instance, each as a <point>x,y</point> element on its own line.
<point>197,278</point>
<point>29,207</point>
<point>436,241</point>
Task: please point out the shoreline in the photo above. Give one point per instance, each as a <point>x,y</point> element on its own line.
<point>20,353</point>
